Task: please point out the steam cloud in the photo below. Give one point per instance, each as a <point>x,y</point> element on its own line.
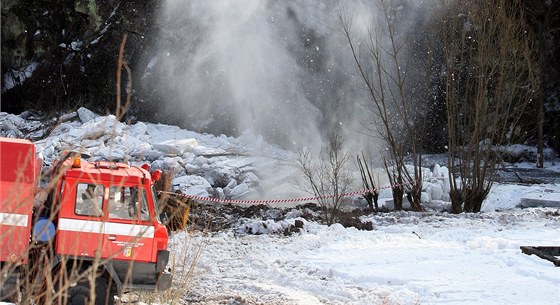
<point>281,69</point>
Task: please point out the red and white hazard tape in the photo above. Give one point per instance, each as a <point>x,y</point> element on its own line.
<point>269,201</point>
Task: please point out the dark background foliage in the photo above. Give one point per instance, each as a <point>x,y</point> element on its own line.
<point>75,44</point>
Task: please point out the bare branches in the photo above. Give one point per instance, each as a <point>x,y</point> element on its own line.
<point>369,183</point>
<point>329,178</point>
<point>385,77</point>
<point>488,80</point>
<point>120,110</point>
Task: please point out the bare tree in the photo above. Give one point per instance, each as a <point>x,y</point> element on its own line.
<point>328,177</point>
<point>370,181</point>
<point>382,65</point>
<point>488,79</point>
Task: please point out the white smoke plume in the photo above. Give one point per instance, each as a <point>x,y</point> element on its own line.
<point>281,69</point>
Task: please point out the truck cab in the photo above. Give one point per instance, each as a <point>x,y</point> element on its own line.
<point>108,211</point>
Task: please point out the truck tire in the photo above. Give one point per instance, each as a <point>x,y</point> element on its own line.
<point>9,288</point>
<point>103,294</point>
<point>80,294</point>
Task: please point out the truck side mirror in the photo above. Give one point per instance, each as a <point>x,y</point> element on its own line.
<point>164,217</point>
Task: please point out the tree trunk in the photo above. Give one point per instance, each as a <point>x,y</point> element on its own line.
<point>540,127</point>
<point>540,97</point>
<point>456,201</point>
<point>398,193</point>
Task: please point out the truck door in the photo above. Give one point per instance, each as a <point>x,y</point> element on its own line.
<point>80,223</point>
<point>129,233</point>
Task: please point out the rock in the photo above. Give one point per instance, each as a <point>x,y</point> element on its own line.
<point>192,168</point>
<point>425,197</point>
<point>193,185</point>
<point>109,153</point>
<point>389,204</point>
<point>294,214</point>
<point>138,129</point>
<point>209,178</point>
<point>544,199</point>
<point>239,190</point>
<point>232,184</point>
<point>434,190</point>
<point>200,160</point>
<point>176,147</point>
<point>292,229</point>
<point>220,192</point>
<point>251,179</point>
<point>273,214</point>
<point>85,115</point>
<point>437,171</point>
<point>146,154</point>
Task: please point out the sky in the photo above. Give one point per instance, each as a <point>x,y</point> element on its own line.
<point>408,258</point>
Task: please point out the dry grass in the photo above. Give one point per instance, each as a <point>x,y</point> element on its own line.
<point>47,278</point>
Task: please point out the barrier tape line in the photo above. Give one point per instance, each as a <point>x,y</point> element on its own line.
<point>268,201</point>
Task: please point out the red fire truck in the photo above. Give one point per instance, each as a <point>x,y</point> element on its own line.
<point>97,234</point>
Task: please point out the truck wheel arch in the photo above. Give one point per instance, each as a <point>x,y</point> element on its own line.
<point>107,284</point>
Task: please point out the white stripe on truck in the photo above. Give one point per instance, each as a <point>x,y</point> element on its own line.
<point>18,220</point>
<point>88,226</point>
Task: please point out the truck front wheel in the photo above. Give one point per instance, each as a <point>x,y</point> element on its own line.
<point>81,293</point>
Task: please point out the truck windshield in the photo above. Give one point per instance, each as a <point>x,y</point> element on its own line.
<point>128,203</point>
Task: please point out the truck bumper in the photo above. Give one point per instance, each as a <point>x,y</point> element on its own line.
<point>145,275</point>
<point>164,281</point>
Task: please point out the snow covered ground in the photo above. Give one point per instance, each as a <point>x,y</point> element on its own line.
<point>409,258</point>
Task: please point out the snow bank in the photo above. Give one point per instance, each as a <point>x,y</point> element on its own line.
<point>211,166</point>
<point>203,165</point>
